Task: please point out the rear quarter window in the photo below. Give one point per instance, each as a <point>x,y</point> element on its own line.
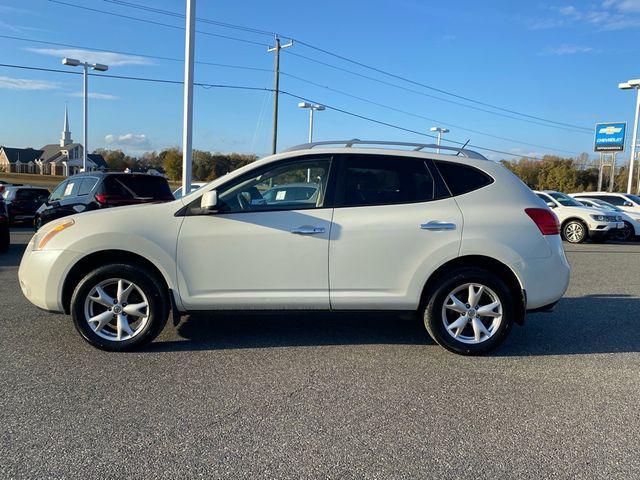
<point>462,178</point>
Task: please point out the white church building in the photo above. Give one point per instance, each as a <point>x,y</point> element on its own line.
<point>63,158</point>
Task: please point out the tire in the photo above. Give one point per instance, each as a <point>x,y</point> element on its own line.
<point>4,240</point>
<point>626,234</point>
<point>575,231</point>
<point>37,222</point>
<point>109,330</point>
<point>438,314</point>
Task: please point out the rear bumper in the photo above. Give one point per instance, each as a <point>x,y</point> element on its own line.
<point>545,280</point>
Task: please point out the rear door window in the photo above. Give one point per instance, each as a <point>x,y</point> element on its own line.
<point>138,187</point>
<point>384,180</point>
<point>462,178</point>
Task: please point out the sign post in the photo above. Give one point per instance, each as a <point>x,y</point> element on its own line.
<point>609,139</point>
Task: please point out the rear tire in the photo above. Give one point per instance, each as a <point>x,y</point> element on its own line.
<point>472,324</point>
<point>575,231</point>
<point>627,233</point>
<point>119,307</point>
<point>4,240</point>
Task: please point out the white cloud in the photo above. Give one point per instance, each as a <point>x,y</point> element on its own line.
<point>108,58</point>
<point>609,15</point>
<point>569,50</point>
<point>12,83</point>
<point>97,96</point>
<point>132,141</point>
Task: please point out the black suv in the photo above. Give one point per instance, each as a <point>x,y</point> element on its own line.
<point>4,226</point>
<point>93,190</point>
<point>22,202</point>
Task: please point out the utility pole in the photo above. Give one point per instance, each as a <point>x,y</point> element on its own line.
<point>276,88</point>
<point>187,119</point>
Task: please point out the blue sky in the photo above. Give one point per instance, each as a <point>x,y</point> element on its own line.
<point>551,59</point>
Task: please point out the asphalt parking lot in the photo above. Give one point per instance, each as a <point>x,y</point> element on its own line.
<point>330,396</point>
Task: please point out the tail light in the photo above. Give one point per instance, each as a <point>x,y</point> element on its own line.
<point>104,199</point>
<point>545,220</point>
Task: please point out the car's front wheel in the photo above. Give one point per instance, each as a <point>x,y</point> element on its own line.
<point>574,231</point>
<point>470,311</point>
<point>625,233</point>
<point>119,307</point>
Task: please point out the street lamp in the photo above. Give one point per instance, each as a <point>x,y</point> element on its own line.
<point>440,131</point>
<point>72,62</point>
<point>633,84</point>
<point>312,108</point>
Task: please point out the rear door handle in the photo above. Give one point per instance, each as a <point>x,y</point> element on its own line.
<point>435,225</point>
<point>308,230</point>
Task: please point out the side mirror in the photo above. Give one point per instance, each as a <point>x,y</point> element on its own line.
<point>551,205</point>
<point>209,201</point>
<point>628,204</point>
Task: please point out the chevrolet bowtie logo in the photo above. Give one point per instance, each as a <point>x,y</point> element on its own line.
<point>610,130</point>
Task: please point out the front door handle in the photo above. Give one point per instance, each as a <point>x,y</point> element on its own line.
<point>308,230</point>
<point>435,225</point>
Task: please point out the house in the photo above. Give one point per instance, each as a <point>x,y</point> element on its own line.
<point>62,158</point>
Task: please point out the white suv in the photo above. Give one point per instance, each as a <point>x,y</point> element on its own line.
<point>578,222</point>
<point>624,201</point>
<point>458,239</point>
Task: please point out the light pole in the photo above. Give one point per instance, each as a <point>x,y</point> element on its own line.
<point>187,100</point>
<point>312,108</point>
<point>440,131</point>
<point>633,84</point>
<point>72,62</point>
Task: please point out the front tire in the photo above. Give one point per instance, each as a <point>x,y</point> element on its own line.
<point>627,233</point>
<point>119,307</point>
<point>574,231</point>
<point>470,311</point>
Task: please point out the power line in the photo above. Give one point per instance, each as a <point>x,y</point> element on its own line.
<point>135,54</point>
<point>424,94</point>
<point>262,89</point>
<point>355,62</point>
<point>417,115</point>
<point>310,82</point>
<point>153,22</point>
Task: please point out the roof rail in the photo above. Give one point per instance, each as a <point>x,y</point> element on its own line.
<point>417,146</point>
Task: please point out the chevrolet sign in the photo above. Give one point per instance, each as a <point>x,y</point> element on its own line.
<point>610,137</point>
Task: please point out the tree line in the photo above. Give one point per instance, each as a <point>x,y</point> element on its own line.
<point>206,166</point>
<point>565,174</point>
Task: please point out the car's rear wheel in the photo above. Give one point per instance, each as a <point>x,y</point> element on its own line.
<point>470,312</point>
<point>4,240</point>
<point>119,307</point>
<point>574,231</point>
<point>626,233</point>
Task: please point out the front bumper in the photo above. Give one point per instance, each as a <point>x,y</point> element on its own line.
<point>604,229</point>
<point>42,273</point>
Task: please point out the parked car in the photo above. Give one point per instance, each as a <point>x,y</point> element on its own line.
<point>631,220</point>
<point>579,223</point>
<point>385,233</point>
<point>625,201</point>
<point>4,227</point>
<point>95,190</point>
<point>194,186</point>
<point>23,201</point>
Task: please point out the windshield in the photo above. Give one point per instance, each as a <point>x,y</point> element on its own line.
<point>633,198</point>
<point>565,200</point>
<point>602,206</point>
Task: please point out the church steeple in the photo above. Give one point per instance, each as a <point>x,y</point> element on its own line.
<point>66,134</point>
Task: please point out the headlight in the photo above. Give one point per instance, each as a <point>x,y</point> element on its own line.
<point>599,218</point>
<point>53,232</point>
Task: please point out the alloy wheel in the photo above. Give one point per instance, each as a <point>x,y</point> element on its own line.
<point>472,313</point>
<point>116,309</point>
<point>574,232</point>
